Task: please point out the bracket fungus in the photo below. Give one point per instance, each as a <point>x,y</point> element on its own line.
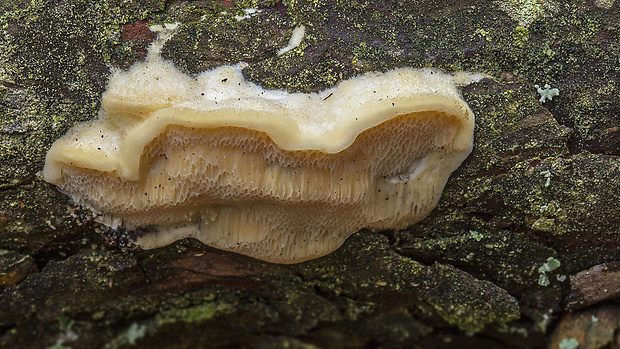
<point>282,177</point>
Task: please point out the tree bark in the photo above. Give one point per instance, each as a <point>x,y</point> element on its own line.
<point>522,251</point>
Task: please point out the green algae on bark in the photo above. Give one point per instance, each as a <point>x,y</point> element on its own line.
<point>187,286</point>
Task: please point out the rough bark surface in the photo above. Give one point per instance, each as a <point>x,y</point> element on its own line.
<point>522,251</point>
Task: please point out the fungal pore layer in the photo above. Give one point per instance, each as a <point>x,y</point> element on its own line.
<point>283,177</point>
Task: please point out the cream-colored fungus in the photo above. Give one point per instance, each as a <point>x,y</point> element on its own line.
<point>283,177</point>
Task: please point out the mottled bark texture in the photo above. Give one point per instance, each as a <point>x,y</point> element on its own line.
<point>521,252</point>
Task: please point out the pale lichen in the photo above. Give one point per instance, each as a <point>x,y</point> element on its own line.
<point>525,12</point>
<point>546,93</point>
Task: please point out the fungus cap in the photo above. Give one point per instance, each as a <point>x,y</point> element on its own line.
<point>283,177</point>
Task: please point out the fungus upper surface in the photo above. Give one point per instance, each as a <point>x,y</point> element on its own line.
<point>283,177</point>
